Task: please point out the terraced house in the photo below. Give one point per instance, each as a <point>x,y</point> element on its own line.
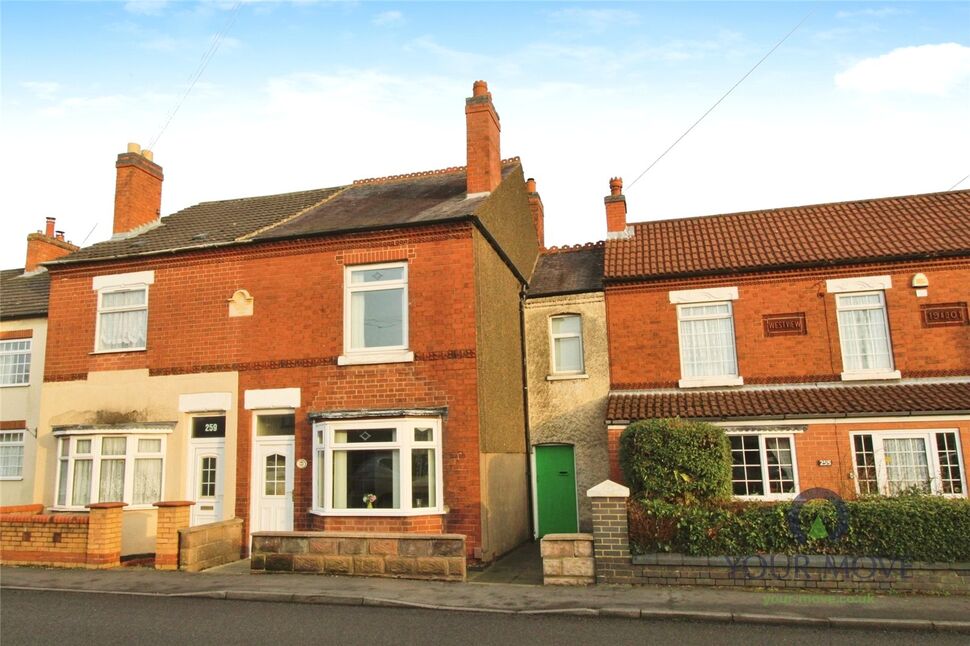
<point>346,358</point>
<point>831,341</point>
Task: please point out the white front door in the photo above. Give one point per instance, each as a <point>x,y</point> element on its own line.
<point>206,481</point>
<point>272,509</point>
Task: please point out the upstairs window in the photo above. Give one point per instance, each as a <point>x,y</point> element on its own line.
<point>566,338</point>
<point>122,323</point>
<point>376,314</point>
<point>864,332</point>
<point>15,362</point>
<point>705,328</point>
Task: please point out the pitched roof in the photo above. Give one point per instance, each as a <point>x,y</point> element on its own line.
<point>892,228</point>
<point>568,270</point>
<point>402,200</point>
<point>22,295</point>
<point>833,401</point>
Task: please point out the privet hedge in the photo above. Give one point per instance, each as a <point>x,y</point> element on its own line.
<point>918,528</point>
<point>676,461</point>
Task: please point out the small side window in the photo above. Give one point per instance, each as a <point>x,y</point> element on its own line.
<point>566,339</point>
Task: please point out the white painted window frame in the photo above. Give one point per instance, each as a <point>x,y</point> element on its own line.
<point>383,354</point>
<point>556,375</point>
<point>711,380</point>
<point>324,446</point>
<point>4,351</point>
<point>15,443</point>
<point>131,454</point>
<point>763,453</point>
<point>933,458</point>
<point>119,283</point>
<point>862,375</point>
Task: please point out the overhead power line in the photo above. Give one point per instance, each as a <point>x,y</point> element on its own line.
<point>197,74</point>
<point>965,177</point>
<point>726,94</point>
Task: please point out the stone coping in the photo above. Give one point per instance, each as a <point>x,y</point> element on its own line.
<point>567,537</point>
<point>804,560</point>
<point>216,525</point>
<point>174,503</point>
<point>378,535</point>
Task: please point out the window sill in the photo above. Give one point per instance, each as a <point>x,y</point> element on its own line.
<point>767,497</point>
<point>117,351</point>
<point>11,478</point>
<point>85,510</point>
<point>14,385</point>
<point>566,377</point>
<point>391,356</point>
<point>707,382</point>
<point>875,375</point>
<point>364,513</point>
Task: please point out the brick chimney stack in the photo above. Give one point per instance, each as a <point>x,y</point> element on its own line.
<point>616,210</point>
<point>483,128</point>
<point>49,245</point>
<point>538,214</point>
<point>138,190</point>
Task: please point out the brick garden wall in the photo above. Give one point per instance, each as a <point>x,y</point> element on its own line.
<point>92,540</point>
<point>439,557</point>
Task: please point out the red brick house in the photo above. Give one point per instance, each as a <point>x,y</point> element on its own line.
<point>831,341</point>
<point>346,358</point>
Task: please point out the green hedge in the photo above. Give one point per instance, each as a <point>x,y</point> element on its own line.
<point>918,528</point>
<point>676,460</point>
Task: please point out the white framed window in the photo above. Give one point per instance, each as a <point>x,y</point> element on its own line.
<point>11,455</point>
<point>566,345</point>
<point>889,463</point>
<point>763,466</point>
<point>15,362</point>
<point>122,320</point>
<point>376,314</point>
<point>707,350</point>
<point>110,468</point>
<point>380,467</point>
<point>864,336</point>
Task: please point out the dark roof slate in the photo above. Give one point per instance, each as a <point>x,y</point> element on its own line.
<point>568,271</point>
<point>23,296</point>
<point>914,226</point>
<point>833,401</point>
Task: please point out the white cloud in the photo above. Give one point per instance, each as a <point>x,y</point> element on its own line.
<point>597,20</point>
<point>385,18</point>
<point>146,7</point>
<point>881,12</point>
<point>42,89</point>
<point>924,69</point>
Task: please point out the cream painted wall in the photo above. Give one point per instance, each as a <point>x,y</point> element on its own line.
<point>130,397</point>
<point>505,511</point>
<point>23,403</point>
<point>571,411</point>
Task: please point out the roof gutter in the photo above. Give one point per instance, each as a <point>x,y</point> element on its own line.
<point>790,416</point>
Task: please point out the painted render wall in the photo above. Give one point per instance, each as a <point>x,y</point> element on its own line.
<point>23,403</point>
<point>107,395</point>
<point>571,411</point>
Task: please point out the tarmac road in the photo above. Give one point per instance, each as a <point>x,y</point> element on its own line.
<point>44,617</point>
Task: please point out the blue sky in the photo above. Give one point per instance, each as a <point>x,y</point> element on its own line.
<point>863,100</point>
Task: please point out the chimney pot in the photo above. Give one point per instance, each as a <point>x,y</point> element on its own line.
<point>147,154</point>
<point>49,231</point>
<point>134,148</point>
<point>616,186</point>
<point>530,185</point>
<point>480,88</point>
<point>59,235</point>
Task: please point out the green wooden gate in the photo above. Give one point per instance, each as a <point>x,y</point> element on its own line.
<point>556,489</point>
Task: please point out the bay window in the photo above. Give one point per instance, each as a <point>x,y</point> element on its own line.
<point>377,467</point>
<point>109,468</point>
<point>376,314</point>
<point>900,462</point>
<point>763,465</point>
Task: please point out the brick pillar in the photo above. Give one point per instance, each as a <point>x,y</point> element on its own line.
<point>172,516</point>
<point>611,533</point>
<point>104,535</point>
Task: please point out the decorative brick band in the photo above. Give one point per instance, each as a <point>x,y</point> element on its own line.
<point>9,335</point>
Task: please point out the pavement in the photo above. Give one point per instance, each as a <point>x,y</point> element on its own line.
<point>510,587</point>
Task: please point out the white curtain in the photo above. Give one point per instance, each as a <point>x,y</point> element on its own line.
<point>62,483</point>
<point>112,485</point>
<point>906,464</point>
<point>340,480</point>
<point>81,489</point>
<point>568,354</point>
<point>863,333</point>
<point>148,481</point>
<point>123,329</point>
<point>707,345</point>
<point>357,307</point>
